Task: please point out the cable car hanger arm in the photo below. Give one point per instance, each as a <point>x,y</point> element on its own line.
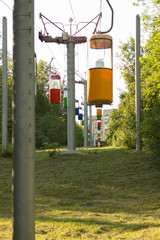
<point>87,23</point>
<point>111,19</point>
<point>100,15</point>
<point>42,16</point>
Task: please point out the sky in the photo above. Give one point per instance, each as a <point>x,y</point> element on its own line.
<point>80,11</point>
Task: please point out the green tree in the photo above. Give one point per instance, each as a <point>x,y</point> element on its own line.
<point>51,122</point>
<point>151,83</point>
<point>121,130</point>
<point>79,136</point>
<point>150,88</point>
<point>51,125</point>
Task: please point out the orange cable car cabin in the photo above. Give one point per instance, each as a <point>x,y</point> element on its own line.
<point>100,67</point>
<point>54,88</point>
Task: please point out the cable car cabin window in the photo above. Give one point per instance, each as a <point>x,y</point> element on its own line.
<point>100,43</point>
<point>54,84</point>
<point>100,53</point>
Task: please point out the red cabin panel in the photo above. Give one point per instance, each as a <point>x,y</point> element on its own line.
<point>54,95</point>
<point>99,124</point>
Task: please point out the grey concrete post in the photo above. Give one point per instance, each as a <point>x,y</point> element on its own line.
<point>137,85</point>
<point>4,88</point>
<point>90,119</point>
<point>23,121</point>
<point>85,117</point>
<point>71,125</point>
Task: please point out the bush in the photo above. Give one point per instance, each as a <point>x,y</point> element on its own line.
<point>151,131</point>
<point>51,129</point>
<point>79,136</point>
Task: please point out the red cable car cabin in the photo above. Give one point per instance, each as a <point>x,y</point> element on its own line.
<point>54,88</point>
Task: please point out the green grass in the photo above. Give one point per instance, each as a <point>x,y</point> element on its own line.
<point>104,194</point>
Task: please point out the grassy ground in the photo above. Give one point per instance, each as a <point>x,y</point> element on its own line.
<point>105,194</point>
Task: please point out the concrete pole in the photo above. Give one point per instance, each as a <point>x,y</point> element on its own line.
<point>23,121</point>
<point>90,119</point>
<point>85,117</point>
<point>71,124</point>
<point>4,88</point>
<point>93,132</point>
<point>137,85</point>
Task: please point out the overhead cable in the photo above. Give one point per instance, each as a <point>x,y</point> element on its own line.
<point>6,5</point>
<point>72,11</point>
<point>54,57</point>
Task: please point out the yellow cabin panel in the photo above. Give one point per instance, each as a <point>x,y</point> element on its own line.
<point>99,86</point>
<point>99,112</point>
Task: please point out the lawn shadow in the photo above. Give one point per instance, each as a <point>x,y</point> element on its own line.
<point>102,223</point>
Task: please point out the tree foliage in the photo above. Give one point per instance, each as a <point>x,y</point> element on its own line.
<point>121,130</point>
<point>151,85</point>
<point>51,122</point>
<point>122,121</point>
<point>51,125</point>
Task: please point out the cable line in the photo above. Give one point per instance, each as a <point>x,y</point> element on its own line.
<point>72,11</point>
<point>112,16</point>
<point>37,25</point>
<point>55,58</point>
<point>6,5</point>
<point>100,12</point>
